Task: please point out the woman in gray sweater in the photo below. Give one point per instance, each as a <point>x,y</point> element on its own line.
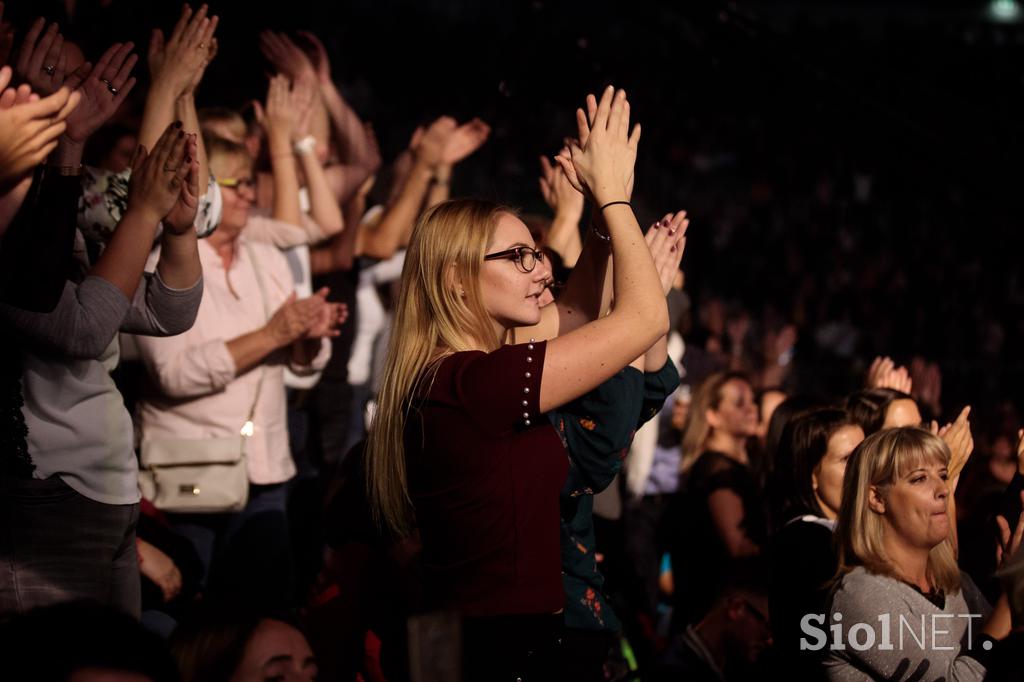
<point>902,609</point>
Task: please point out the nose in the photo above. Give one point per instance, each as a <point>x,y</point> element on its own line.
<point>543,269</point>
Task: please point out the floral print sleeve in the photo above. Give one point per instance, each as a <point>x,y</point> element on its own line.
<point>105,199</point>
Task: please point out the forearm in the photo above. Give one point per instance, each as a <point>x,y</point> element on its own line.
<point>157,114</point>
<point>179,265</point>
<point>395,227</point>
<point>588,292</point>
<point>657,356</point>
<point>564,237</point>
<point>286,179</point>
<point>338,253</point>
<point>356,147</point>
<point>185,111</point>
<point>324,207</point>
<point>125,257</point>
<point>441,186</point>
<point>636,286</point>
<point>249,350</point>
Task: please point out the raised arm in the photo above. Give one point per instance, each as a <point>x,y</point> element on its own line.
<point>323,205</point>
<point>278,121</point>
<point>564,236</point>
<point>175,67</point>
<point>463,141</point>
<point>395,226</point>
<point>582,359</point>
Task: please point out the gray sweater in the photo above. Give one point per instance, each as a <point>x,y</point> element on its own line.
<point>913,639</point>
<point>78,426</point>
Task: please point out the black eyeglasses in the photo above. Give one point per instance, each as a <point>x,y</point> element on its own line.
<point>525,257</point>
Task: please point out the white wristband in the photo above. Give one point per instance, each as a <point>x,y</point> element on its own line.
<point>305,146</point>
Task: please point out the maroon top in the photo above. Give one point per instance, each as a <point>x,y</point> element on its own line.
<point>485,469</point>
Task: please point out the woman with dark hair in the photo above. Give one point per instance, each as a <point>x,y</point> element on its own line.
<point>875,409</point>
<point>808,479</point>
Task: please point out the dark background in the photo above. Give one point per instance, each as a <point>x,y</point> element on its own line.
<point>848,167</point>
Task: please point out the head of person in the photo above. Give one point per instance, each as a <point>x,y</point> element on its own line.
<point>883,408</point>
<point>470,275</point>
<point>895,498</point>
<point>812,461</point>
<point>723,404</point>
<point>232,168</point>
<point>219,646</point>
<point>738,619</point>
<point>111,148</point>
<point>82,642</point>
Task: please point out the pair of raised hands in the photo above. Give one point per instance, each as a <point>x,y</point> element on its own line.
<point>178,63</point>
<point>599,163</point>
<point>165,182</point>
<point>312,317</point>
<point>288,109</point>
<point>445,143</point>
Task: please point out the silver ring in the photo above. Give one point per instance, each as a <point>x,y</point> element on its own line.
<point>202,46</point>
<point>113,90</point>
<point>49,69</point>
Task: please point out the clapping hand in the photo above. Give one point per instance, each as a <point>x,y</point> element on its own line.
<point>103,88</point>
<point>29,126</point>
<point>464,140</point>
<point>961,444</point>
<point>667,240</point>
<point>182,216</point>
<point>884,373</point>
<point>277,116</point>
<point>600,162</point>
<point>558,192</point>
<point>157,176</point>
<point>1009,544</point>
<point>179,62</point>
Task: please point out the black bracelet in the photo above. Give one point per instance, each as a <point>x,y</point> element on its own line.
<point>613,203</point>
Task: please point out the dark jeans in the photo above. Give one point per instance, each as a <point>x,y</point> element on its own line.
<point>246,555</point>
<point>58,545</point>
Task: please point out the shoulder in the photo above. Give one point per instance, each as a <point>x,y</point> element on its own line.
<point>864,595</point>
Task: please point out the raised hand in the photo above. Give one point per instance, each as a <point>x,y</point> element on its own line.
<point>103,88</point>
<point>178,62</point>
<point>277,116</point>
<point>157,176</point>
<point>29,126</point>
<point>1009,544</point>
<point>323,62</point>
<point>41,60</point>
<point>465,140</point>
<point>558,192</point>
<point>667,240</point>
<point>301,98</point>
<point>430,146</point>
<point>182,216</point>
<point>961,444</point>
<point>286,56</point>
<point>600,163</point>
<point>883,373</point>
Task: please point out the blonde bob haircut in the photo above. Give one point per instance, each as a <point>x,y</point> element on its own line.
<point>440,311</point>
<point>880,461</point>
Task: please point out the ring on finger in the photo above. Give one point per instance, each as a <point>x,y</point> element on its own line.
<point>202,46</point>
<point>49,69</point>
<point>170,169</point>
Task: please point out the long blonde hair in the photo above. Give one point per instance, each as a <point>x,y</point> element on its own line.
<point>433,318</point>
<point>880,460</point>
<point>697,430</point>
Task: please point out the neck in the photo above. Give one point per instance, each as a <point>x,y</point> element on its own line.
<point>827,511</point>
<point>729,445</point>
<point>224,242</point>
<point>911,563</point>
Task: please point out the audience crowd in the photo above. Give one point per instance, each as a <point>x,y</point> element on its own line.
<point>278,405</point>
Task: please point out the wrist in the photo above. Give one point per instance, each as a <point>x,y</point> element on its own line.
<point>272,338</point>
<point>442,174</point>
<point>68,153</point>
<point>142,214</point>
<point>304,146</point>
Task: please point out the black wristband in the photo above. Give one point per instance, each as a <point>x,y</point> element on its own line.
<point>613,203</point>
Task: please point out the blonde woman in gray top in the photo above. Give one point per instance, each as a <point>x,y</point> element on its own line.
<point>902,609</point>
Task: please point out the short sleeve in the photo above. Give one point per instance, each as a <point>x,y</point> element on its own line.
<point>658,386</point>
<point>598,428</point>
<point>500,389</point>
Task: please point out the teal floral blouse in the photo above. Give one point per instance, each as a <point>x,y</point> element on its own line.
<point>597,430</point>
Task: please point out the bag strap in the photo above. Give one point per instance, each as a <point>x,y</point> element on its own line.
<point>247,428</point>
